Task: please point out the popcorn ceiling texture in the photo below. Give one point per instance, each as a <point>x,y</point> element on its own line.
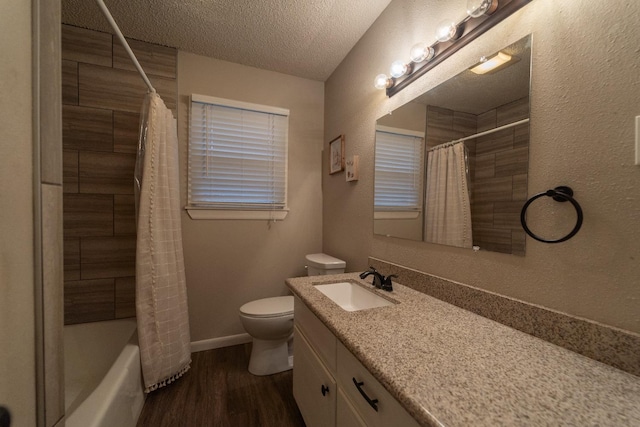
<point>302,38</point>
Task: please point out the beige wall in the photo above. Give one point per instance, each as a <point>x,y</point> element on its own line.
<point>229,263</point>
<point>584,99</point>
<point>17,364</point>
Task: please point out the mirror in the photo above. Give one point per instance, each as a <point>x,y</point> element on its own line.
<point>466,141</point>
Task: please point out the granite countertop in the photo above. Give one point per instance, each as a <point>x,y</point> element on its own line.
<point>448,366</point>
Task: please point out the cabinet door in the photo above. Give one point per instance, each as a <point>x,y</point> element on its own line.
<point>346,414</point>
<point>313,386</point>
<point>320,337</point>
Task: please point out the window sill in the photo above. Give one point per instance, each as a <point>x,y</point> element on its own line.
<point>204,213</point>
<point>396,214</point>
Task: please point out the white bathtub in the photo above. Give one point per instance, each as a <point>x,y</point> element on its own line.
<point>103,380</point>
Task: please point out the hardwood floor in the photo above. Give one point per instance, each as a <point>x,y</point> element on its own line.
<point>219,391</point>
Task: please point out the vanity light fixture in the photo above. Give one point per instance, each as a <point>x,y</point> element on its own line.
<point>421,52</point>
<point>383,82</point>
<point>491,64</point>
<point>399,69</point>
<point>450,36</point>
<point>477,8</point>
<point>448,30</point>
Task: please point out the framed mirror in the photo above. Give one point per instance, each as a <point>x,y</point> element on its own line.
<point>451,165</point>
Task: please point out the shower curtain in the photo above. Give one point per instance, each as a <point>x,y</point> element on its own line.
<point>448,210</point>
<point>161,296</point>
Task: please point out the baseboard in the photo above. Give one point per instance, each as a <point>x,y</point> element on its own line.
<point>219,342</point>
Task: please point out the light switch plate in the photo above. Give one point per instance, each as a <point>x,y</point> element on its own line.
<point>353,169</point>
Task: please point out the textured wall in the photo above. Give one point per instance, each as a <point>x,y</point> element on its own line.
<point>17,358</point>
<point>102,95</point>
<point>584,99</point>
<point>231,262</point>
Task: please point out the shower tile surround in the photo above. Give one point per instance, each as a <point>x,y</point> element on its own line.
<point>497,168</point>
<point>102,95</point>
<point>612,346</point>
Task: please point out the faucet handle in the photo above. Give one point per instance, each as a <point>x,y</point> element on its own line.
<point>387,285</point>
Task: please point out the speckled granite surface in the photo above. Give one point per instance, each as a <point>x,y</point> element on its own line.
<point>615,347</point>
<point>448,366</point>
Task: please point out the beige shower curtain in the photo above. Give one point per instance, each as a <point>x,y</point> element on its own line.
<point>161,296</point>
<point>448,210</point>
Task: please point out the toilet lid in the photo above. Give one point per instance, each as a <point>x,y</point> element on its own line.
<point>268,307</point>
<point>324,261</point>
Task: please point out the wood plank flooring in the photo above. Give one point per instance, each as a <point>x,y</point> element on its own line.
<point>219,391</point>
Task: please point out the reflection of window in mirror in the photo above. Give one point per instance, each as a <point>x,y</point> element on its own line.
<point>398,182</point>
<point>489,114</point>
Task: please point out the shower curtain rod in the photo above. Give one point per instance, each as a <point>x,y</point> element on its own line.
<point>115,27</point>
<point>486,132</point>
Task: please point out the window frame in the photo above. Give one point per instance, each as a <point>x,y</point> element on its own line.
<point>248,212</point>
<point>403,212</point>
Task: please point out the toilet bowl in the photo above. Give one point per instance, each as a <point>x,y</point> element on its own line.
<point>269,321</point>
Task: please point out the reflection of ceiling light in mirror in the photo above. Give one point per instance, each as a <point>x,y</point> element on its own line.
<point>477,8</point>
<point>382,81</point>
<point>398,69</point>
<point>491,64</point>
<point>421,52</point>
<point>447,30</point>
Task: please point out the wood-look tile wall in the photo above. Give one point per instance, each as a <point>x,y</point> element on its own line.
<point>498,165</point>
<point>102,95</point>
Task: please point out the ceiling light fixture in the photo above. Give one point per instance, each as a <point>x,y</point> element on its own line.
<point>491,64</point>
<point>450,36</point>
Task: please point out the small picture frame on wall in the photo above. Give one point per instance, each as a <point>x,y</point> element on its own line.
<point>336,155</point>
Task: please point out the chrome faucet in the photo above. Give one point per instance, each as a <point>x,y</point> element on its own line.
<point>379,281</point>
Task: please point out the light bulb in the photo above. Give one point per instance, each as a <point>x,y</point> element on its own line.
<point>446,30</point>
<point>398,69</point>
<point>382,81</point>
<point>477,8</point>
<point>420,52</point>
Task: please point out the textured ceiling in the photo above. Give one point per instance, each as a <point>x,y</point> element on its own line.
<point>305,38</point>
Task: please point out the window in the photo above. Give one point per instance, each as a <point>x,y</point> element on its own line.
<point>398,173</point>
<point>237,160</point>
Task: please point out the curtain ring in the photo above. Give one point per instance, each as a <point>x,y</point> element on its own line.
<point>559,194</point>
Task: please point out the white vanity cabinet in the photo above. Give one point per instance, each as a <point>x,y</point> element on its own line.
<point>331,387</point>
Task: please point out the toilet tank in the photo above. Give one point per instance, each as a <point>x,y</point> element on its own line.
<point>323,264</point>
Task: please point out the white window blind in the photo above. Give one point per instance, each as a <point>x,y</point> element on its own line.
<point>237,155</point>
<point>398,170</point>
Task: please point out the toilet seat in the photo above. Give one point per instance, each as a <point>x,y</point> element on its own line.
<point>268,307</point>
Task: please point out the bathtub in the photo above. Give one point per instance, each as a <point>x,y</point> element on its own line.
<point>103,380</point>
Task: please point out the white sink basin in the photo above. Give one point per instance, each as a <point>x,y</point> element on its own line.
<point>352,297</point>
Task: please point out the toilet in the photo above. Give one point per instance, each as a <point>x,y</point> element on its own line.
<point>269,321</point>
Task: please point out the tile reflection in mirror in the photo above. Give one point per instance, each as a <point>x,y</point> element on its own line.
<point>497,162</point>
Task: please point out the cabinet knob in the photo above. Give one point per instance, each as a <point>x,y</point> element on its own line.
<point>324,390</point>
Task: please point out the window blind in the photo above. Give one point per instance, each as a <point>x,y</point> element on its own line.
<point>237,155</point>
<point>398,170</point>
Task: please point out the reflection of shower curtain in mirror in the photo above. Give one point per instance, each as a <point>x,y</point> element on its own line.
<point>448,210</point>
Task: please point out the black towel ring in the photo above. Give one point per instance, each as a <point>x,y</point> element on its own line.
<point>559,194</point>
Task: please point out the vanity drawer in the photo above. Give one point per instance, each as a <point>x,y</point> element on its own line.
<point>346,414</point>
<point>389,411</point>
<point>320,337</point>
